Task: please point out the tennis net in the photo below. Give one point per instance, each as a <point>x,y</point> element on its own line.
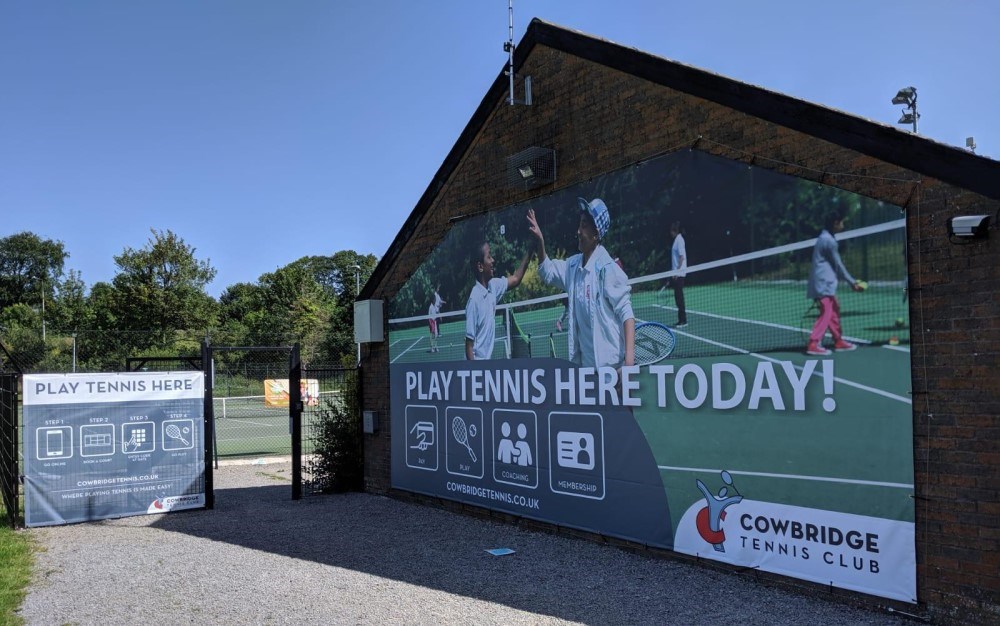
<point>754,302</point>
<point>245,407</point>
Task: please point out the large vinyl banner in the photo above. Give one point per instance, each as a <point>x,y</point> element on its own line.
<point>111,445</point>
<point>688,353</point>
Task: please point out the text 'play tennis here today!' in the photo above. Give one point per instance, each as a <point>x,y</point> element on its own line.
<point>780,385</point>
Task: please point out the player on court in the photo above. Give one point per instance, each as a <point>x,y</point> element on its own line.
<point>432,319</point>
<point>679,263</point>
<point>827,270</point>
<point>599,302</point>
<point>480,327</point>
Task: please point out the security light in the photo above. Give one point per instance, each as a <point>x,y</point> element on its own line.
<point>908,96</point>
<point>905,95</point>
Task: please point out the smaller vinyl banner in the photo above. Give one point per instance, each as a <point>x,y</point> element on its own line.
<point>99,446</point>
<point>276,392</point>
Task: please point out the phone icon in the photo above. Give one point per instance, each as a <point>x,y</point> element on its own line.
<point>54,443</point>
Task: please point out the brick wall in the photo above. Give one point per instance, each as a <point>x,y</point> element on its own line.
<point>599,119</point>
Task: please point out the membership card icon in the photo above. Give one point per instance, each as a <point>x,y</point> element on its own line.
<point>575,450</point>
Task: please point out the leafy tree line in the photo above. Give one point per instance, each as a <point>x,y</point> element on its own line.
<point>157,305</point>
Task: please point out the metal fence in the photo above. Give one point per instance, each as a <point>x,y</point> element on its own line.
<point>332,454</point>
<point>250,410</point>
<point>10,483</point>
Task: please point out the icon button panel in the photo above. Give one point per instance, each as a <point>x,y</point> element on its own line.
<point>576,443</point>
<point>464,451</point>
<point>54,442</point>
<point>422,437</point>
<point>97,440</point>
<point>515,447</point>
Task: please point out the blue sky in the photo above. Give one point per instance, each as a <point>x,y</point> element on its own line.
<point>264,131</point>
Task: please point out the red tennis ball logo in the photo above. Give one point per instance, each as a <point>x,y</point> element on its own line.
<point>709,535</point>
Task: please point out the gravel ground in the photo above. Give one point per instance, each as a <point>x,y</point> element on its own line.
<point>260,558</point>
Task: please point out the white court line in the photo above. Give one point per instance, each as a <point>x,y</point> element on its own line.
<point>897,348</point>
<point>824,479</point>
<point>413,345</point>
<point>816,373</point>
<point>243,421</point>
<point>759,323</point>
<point>749,256</point>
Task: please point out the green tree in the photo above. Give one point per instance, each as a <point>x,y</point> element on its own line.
<point>69,306</point>
<point>349,271</point>
<point>159,295</point>
<point>30,268</point>
<point>20,332</point>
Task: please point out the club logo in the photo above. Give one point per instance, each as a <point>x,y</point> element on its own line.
<point>710,517</point>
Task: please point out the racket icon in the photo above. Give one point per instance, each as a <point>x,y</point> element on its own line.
<point>174,432</point>
<point>461,433</point>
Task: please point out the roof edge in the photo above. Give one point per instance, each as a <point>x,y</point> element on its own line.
<point>451,161</point>
<point>925,156</point>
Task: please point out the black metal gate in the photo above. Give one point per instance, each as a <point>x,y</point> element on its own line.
<point>9,458</point>
<point>245,420</point>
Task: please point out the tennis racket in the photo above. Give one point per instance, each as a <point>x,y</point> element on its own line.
<point>461,433</point>
<point>653,343</point>
<point>175,433</point>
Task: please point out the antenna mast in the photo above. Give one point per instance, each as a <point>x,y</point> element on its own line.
<point>508,47</point>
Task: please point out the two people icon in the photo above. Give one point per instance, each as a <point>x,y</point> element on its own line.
<point>515,453</point>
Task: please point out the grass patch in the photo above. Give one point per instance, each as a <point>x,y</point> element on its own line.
<point>15,574</point>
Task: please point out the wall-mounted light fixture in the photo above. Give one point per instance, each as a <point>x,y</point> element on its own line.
<point>908,96</point>
<point>971,226</point>
<point>532,167</point>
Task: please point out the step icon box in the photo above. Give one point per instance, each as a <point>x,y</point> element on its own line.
<point>54,442</point>
<point>422,437</point>
<point>97,440</point>
<point>576,442</point>
<point>464,450</point>
<point>515,447</point>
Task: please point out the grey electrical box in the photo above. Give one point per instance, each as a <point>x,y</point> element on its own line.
<point>368,321</point>
<point>370,420</point>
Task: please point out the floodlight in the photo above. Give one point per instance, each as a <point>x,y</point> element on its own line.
<point>526,172</point>
<point>908,96</point>
<point>905,95</point>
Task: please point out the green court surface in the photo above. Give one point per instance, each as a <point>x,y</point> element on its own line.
<point>856,458</point>
<point>755,316</point>
<point>247,427</point>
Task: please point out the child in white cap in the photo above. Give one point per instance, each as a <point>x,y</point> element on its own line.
<point>599,303</point>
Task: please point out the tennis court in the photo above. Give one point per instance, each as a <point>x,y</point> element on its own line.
<point>748,311</point>
<point>247,426</point>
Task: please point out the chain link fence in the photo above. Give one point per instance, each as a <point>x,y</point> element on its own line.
<point>10,420</point>
<point>332,453</point>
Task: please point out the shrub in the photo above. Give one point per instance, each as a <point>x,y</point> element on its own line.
<point>336,463</point>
